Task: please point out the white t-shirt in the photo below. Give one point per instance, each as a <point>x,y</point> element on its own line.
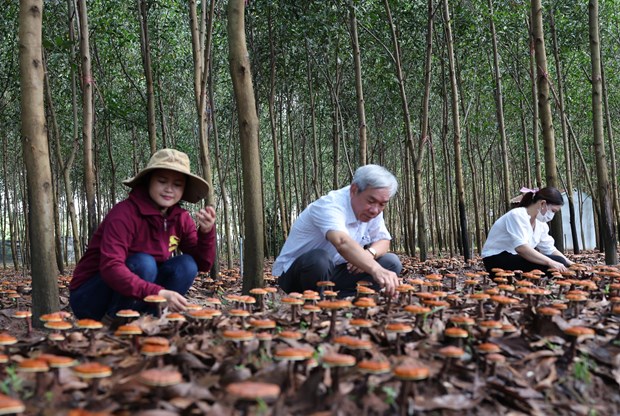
<point>332,212</point>
<point>514,229</point>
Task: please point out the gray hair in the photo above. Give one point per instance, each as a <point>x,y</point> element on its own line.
<point>374,176</point>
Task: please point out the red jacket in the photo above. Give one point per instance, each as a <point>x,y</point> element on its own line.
<point>135,225</point>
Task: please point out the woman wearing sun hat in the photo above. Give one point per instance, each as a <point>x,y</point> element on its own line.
<point>130,256</point>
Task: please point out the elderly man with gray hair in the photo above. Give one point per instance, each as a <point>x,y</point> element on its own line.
<point>342,237</point>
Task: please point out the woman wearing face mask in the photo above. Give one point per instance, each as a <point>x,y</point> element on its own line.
<point>520,240</point>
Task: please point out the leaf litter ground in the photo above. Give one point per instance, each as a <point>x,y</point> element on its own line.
<point>455,341</point>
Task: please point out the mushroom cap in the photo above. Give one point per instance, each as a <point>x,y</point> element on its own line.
<point>58,325</point>
<point>334,304</point>
<point>373,366</point>
<point>462,320</point>
<point>417,309</point>
<point>456,332</point>
<point>53,317</point>
<point>175,317</point>
<point>206,313</point>
<point>547,311</point>
<point>56,336</point>
<point>362,323</point>
<point>263,323</point>
<point>259,291</point>
<point>156,377</point>
<point>6,339</point>
<point>128,313</point>
<point>4,358</point>
<point>88,324</point>
<point>9,405</point>
<point>295,335</point>
<point>410,372</point>
<point>154,350</point>
<point>365,302</point>
<point>398,328</point>
<point>239,313</point>
<point>32,365</point>
<point>488,348</point>
<point>365,290</point>
<point>92,370</point>
<point>452,352</point>
<point>338,360</point>
<point>60,361</point>
<point>253,390</point>
<point>237,335</point>
<point>155,299</point>
<point>326,283</point>
<point>490,324</point>
<point>292,301</point>
<point>22,314</point>
<point>504,300</point>
<point>128,330</point>
<point>293,354</point>
<point>579,331</point>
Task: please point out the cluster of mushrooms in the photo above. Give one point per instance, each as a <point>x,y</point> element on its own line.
<point>446,326</point>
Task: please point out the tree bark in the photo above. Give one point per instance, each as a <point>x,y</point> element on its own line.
<point>87,119</point>
<point>546,117</point>
<point>567,153</point>
<point>456,125</point>
<point>607,223</point>
<point>359,90</point>
<point>277,168</point>
<point>36,156</point>
<point>535,143</point>
<point>499,110</point>
<point>250,153</point>
<point>151,121</point>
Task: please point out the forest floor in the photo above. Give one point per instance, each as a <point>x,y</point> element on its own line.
<point>529,365</point>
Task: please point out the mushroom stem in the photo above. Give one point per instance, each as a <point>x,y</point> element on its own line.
<point>498,312</point>
<point>332,325</point>
<point>402,401</point>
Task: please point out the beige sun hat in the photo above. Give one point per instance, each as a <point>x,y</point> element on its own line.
<point>196,187</point>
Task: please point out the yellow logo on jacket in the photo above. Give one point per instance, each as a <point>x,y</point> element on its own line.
<point>174,243</point>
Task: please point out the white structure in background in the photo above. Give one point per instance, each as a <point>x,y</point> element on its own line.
<point>584,220</point>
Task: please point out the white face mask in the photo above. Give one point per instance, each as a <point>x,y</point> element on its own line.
<point>546,217</point>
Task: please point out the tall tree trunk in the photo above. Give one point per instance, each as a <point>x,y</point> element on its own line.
<point>612,148</point>
<point>151,121</point>
<point>567,153</point>
<point>87,119</point>
<point>405,109</point>
<point>250,153</point>
<point>424,138</point>
<point>274,135</point>
<point>535,143</point>
<point>357,63</point>
<point>36,156</point>
<point>607,224</point>
<point>316,166</point>
<point>546,117</point>
<point>499,110</point>
<point>456,125</point>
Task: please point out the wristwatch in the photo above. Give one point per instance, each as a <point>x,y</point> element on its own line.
<point>372,251</point>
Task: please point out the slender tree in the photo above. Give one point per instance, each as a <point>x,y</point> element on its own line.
<point>145,43</point>
<point>36,156</point>
<point>546,117</point>
<point>607,224</point>
<point>456,126</point>
<point>87,119</point>
<point>359,90</point>
<point>250,153</point>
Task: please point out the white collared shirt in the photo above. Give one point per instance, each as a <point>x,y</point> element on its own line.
<point>514,229</point>
<point>332,212</point>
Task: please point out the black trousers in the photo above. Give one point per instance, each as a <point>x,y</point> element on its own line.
<point>509,261</point>
<point>316,265</point>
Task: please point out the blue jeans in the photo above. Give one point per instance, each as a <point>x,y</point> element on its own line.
<point>94,298</point>
<point>316,265</point>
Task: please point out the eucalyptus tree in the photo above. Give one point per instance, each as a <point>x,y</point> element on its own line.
<point>546,117</point>
<point>241,75</point>
<point>36,156</point>
<point>605,208</point>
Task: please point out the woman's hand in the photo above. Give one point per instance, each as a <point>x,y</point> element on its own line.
<point>205,218</point>
<point>176,301</point>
